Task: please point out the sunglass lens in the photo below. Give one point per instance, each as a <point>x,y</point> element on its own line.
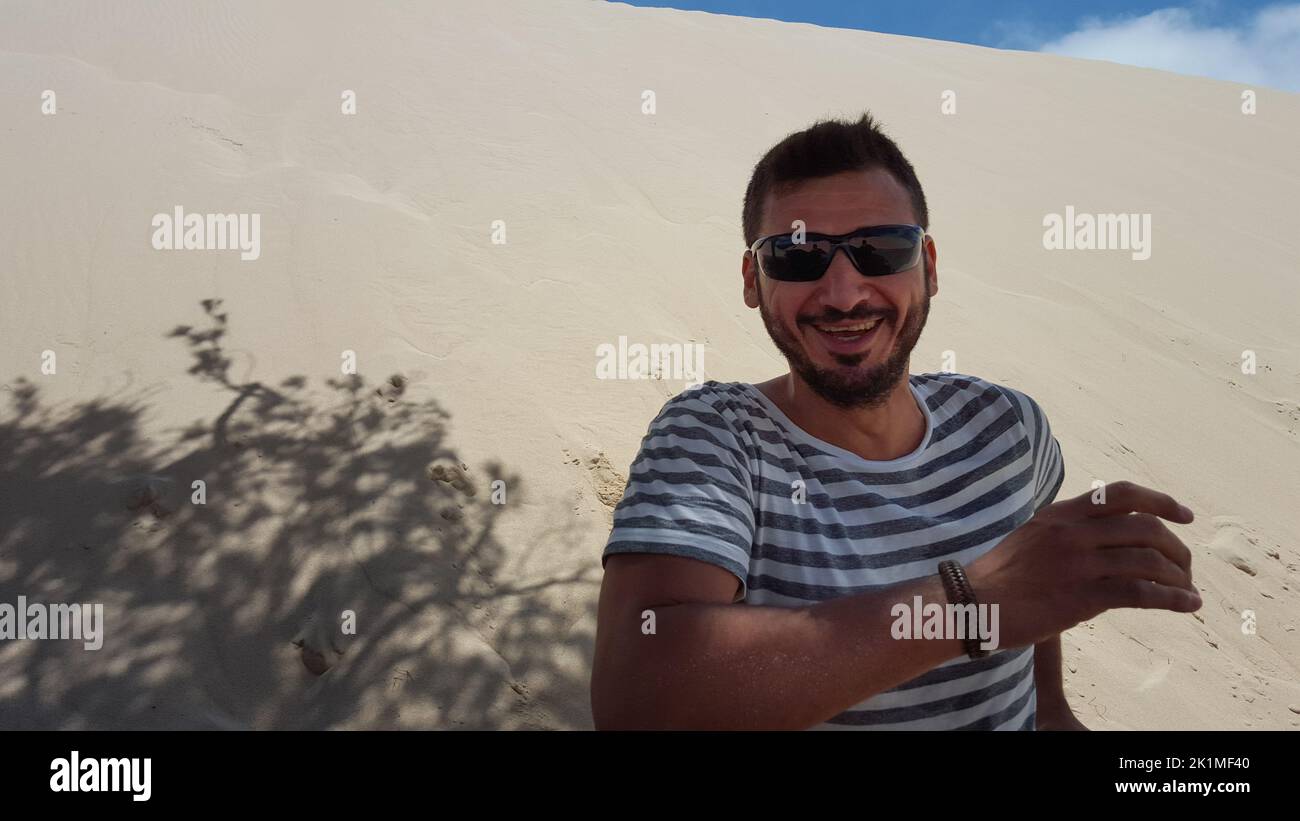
<point>888,253</point>
<point>789,262</point>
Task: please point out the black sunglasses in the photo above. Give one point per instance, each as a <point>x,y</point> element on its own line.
<point>876,251</point>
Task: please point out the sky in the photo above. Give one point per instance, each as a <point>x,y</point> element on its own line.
<point>1254,43</point>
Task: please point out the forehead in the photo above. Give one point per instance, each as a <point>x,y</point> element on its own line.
<point>839,203</point>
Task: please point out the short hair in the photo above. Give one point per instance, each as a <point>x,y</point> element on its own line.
<point>830,146</point>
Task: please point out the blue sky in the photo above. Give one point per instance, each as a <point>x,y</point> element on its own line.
<point>1248,42</point>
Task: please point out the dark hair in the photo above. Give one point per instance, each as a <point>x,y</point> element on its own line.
<point>825,148</point>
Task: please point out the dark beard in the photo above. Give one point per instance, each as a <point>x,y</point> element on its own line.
<point>859,388</point>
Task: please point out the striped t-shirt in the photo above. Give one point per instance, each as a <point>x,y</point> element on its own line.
<point>717,479</point>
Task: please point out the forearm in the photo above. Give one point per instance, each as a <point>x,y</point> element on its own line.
<point>715,666</point>
<point>1048,677</point>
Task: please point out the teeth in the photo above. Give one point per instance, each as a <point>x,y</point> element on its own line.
<point>847,329</point>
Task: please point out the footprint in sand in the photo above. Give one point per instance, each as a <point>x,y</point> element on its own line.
<point>393,388</point>
<point>160,495</point>
<point>455,478</point>
<point>1235,543</point>
<point>607,482</point>
<point>317,647</point>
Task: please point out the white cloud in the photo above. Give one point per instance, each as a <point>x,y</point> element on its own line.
<point>1265,50</point>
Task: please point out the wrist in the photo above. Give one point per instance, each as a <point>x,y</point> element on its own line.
<point>932,591</point>
<point>977,575</point>
<point>960,594</point>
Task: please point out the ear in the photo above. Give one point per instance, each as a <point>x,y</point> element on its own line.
<point>749,273</point>
<point>931,266</point>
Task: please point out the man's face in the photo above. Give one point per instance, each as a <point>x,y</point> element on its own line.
<point>808,320</point>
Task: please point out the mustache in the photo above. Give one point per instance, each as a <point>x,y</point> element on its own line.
<point>833,315</point>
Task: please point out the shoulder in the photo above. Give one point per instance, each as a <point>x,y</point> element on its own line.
<point>729,404</point>
<point>940,388</point>
<point>721,414</point>
<point>717,396</point>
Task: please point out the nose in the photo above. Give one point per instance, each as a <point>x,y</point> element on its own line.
<point>842,286</point>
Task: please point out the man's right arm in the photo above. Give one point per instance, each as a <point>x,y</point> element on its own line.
<point>712,664</point>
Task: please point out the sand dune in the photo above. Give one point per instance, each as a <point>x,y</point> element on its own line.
<point>329,492</point>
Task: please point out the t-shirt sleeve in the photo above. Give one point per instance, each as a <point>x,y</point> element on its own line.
<point>688,491</point>
<point>1049,466</point>
<point>1048,472</point>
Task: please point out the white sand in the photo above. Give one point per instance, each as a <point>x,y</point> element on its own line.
<point>376,238</point>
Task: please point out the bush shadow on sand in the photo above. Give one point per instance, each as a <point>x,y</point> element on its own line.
<point>229,614</point>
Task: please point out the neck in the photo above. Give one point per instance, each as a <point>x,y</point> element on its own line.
<point>886,431</point>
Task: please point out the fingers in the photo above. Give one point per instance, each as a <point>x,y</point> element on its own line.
<point>1144,563</point>
<point>1138,530</point>
<point>1128,497</point>
<point>1108,594</point>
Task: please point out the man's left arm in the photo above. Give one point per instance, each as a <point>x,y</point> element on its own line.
<point>1053,711</point>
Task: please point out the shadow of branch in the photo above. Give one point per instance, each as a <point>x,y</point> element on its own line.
<point>305,558</point>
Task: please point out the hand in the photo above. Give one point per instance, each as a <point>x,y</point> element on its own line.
<point>1075,559</point>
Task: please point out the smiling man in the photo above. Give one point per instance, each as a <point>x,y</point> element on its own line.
<point>770,532</point>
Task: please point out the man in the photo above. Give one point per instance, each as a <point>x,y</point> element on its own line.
<point>770,533</point>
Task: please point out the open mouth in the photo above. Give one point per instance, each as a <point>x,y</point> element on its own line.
<point>847,337</point>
